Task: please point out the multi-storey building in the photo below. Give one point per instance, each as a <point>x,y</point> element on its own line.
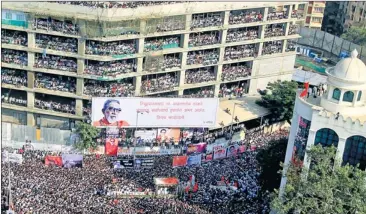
<point>315,14</point>
<point>55,57</point>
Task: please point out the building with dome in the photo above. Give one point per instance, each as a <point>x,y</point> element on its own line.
<point>336,118</point>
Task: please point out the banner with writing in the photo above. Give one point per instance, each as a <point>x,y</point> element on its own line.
<point>53,160</point>
<point>219,152</point>
<point>179,161</point>
<point>196,148</point>
<point>207,157</point>
<point>72,160</point>
<point>12,157</point>
<point>232,150</point>
<point>194,160</point>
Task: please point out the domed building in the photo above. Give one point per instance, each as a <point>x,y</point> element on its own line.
<point>337,117</point>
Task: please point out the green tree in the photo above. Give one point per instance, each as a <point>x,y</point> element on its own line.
<point>87,134</point>
<point>280,99</point>
<point>269,159</point>
<point>327,187</point>
<point>356,34</point>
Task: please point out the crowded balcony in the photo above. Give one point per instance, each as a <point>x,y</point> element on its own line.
<point>168,61</point>
<point>203,20</point>
<point>14,97</point>
<point>202,92</point>
<point>204,38</point>
<point>297,14</point>
<point>61,26</point>
<point>235,71</point>
<point>274,30</point>
<point>112,68</point>
<point>293,29</point>
<point>87,106</point>
<point>203,57</point>
<point>234,89</point>
<point>166,24</point>
<point>114,4</point>
<point>276,15</point>
<point>200,75</point>
<point>164,94</point>
<point>55,82</point>
<point>14,77</point>
<point>159,82</point>
<point>54,103</point>
<point>291,45</point>
<point>14,37</point>
<point>124,48</point>
<point>245,16</point>
<point>161,43</point>
<point>14,57</point>
<point>272,47</point>
<point>55,62</point>
<point>242,34</point>
<point>119,88</point>
<point>239,52</point>
<point>56,43</point>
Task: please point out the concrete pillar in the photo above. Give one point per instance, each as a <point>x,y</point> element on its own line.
<point>287,29</point>
<point>340,150</point>
<point>137,84</point>
<point>284,45</point>
<point>330,92</point>
<point>260,48</point>
<point>180,92</point>
<point>31,40</point>
<point>182,77</point>
<point>140,45</point>
<point>79,107</point>
<point>226,17</point>
<point>217,90</point>
<point>143,27</point>
<point>289,11</point>
<point>265,14</point>
<point>30,79</point>
<point>356,93</point>
<point>309,144</point>
<point>223,35</point>
<point>218,72</point>
<point>188,21</point>
<point>261,31</point>
<point>184,40</point>
<point>30,99</point>
<point>140,63</point>
<point>222,54</point>
<point>30,119</point>
<point>342,94</point>
<point>79,86</point>
<point>81,46</point>
<point>30,60</point>
<point>183,56</point>
<point>81,66</point>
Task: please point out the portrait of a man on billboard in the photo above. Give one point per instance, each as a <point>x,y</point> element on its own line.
<point>111,111</point>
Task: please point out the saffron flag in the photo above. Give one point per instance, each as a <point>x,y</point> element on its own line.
<point>53,160</point>
<point>111,146</point>
<point>195,188</point>
<point>305,91</point>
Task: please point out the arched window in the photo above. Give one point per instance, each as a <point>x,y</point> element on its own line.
<point>336,94</point>
<point>355,151</point>
<point>348,96</point>
<point>326,137</point>
<point>359,95</point>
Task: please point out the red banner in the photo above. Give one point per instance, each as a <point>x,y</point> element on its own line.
<point>179,161</point>
<point>53,160</point>
<point>111,146</point>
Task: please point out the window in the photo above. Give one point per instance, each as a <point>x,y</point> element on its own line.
<point>301,7</point>
<point>318,9</point>
<point>359,96</point>
<point>355,152</point>
<point>8,16</point>
<point>317,19</point>
<point>326,137</point>
<point>336,94</point>
<point>348,96</point>
<point>20,17</point>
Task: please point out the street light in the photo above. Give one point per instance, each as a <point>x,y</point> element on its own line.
<point>232,118</point>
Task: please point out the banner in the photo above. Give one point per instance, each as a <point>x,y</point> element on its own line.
<point>188,133</point>
<point>194,160</point>
<point>166,134</point>
<point>232,150</point>
<point>196,148</point>
<point>99,150</point>
<point>146,134</point>
<point>127,163</point>
<point>148,151</point>
<point>72,160</point>
<point>179,161</point>
<point>219,152</point>
<point>144,163</point>
<point>210,147</point>
<point>164,112</point>
<point>172,181</point>
<point>53,160</point>
<point>207,157</point>
<point>111,146</point>
<point>12,157</point>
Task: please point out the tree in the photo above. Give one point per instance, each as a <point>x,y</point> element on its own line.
<point>87,134</point>
<point>280,100</point>
<point>269,159</point>
<point>356,34</point>
<point>327,187</point>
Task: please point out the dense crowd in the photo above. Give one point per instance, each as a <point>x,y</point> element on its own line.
<point>111,68</point>
<point>13,100</point>
<point>110,48</point>
<point>65,26</point>
<point>204,38</point>
<point>37,188</point>
<point>296,14</point>
<point>164,82</point>
<point>57,83</point>
<point>275,15</point>
<point>235,72</point>
<point>14,57</point>
<point>170,26</point>
<point>239,52</point>
<point>170,62</point>
<point>205,57</point>
<point>272,47</point>
<point>204,92</point>
<point>55,106</point>
<point>55,62</point>
<point>245,17</point>
<point>274,30</point>
<point>115,4</point>
<point>109,89</point>
<point>291,46</point>
<point>293,29</point>
<point>14,37</point>
<point>13,77</point>
<point>155,44</point>
<point>206,20</point>
<point>200,75</point>
<point>233,90</point>
<point>57,43</point>
<point>242,34</point>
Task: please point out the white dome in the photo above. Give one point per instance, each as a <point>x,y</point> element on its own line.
<point>352,69</point>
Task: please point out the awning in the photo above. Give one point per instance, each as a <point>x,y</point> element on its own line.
<point>166,181</point>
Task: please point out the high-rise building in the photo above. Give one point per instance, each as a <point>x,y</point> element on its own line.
<point>315,14</point>
<point>56,56</point>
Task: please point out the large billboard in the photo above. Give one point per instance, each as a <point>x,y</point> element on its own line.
<point>153,112</point>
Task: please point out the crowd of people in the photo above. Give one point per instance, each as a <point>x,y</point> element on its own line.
<point>200,75</point>
<point>55,106</point>
<point>204,92</point>
<point>204,38</point>
<point>155,44</point>
<point>245,17</point>
<point>13,77</point>
<point>111,68</point>
<point>206,20</point>
<point>55,62</point>
<point>242,34</point>
<point>37,188</point>
<point>230,72</point>
<point>233,90</point>
<point>239,52</point>
<point>293,29</point>
<point>274,30</point>
<point>57,83</point>
<point>57,43</point>
<point>291,46</point>
<point>115,4</point>
<point>170,26</point>
<point>13,100</point>
<point>14,37</point>
<point>110,48</point>
<point>276,15</point>
<point>14,57</point>
<point>109,89</point>
<point>50,24</point>
<point>163,82</point>
<point>296,14</point>
<point>272,47</point>
<point>205,57</point>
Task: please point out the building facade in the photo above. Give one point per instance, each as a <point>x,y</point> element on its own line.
<point>56,57</point>
<point>315,14</point>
